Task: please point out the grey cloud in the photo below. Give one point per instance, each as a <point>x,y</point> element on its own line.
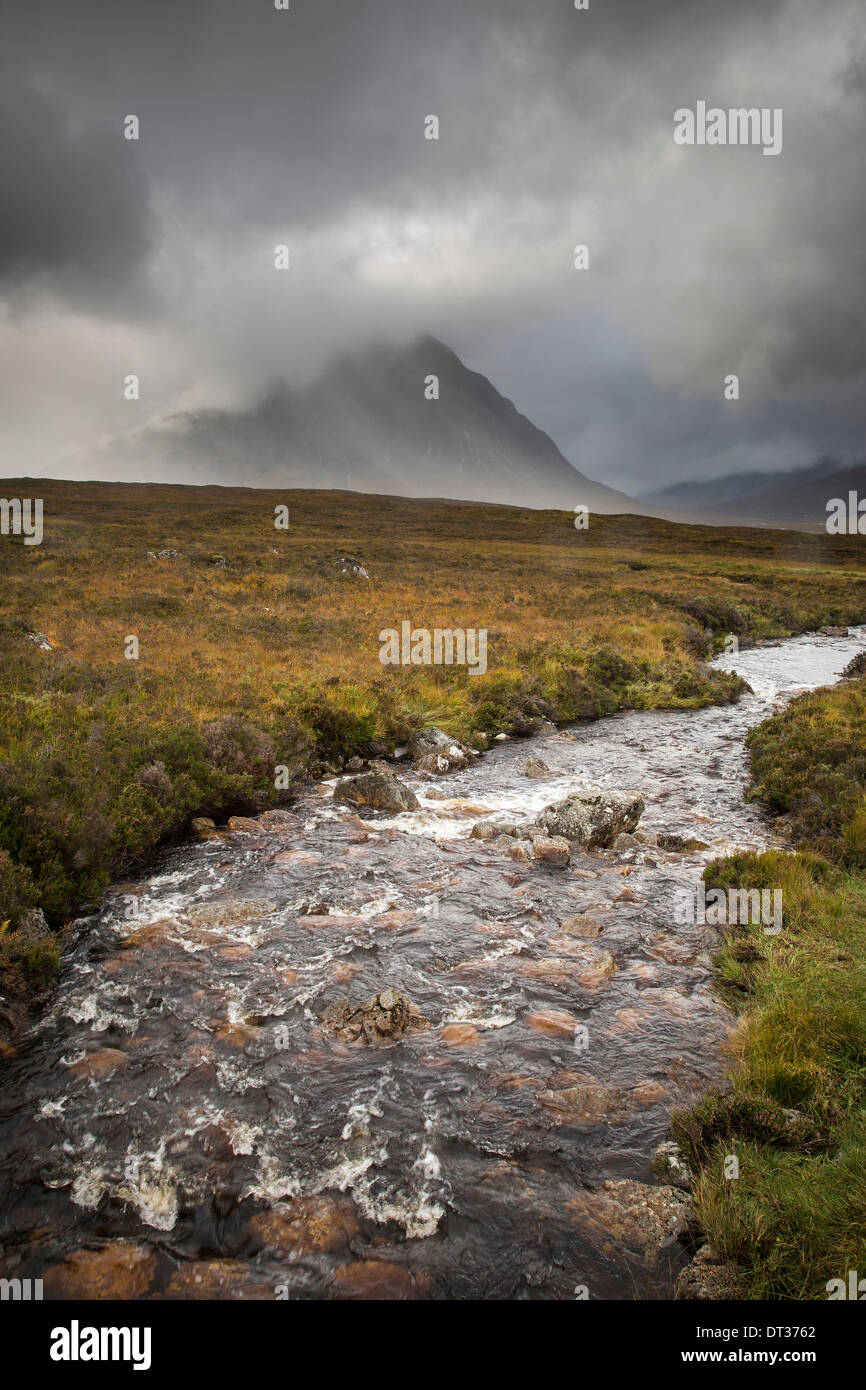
<point>76,220</point>
<point>260,126</point>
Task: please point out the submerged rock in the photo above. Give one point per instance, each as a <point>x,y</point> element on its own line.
<point>593,817</point>
<point>226,1280</point>
<point>679,844</point>
<point>376,1279</point>
<point>384,1018</point>
<point>380,790</point>
<point>534,767</point>
<point>644,1218</point>
<point>582,925</point>
<point>306,1225</point>
<point>120,1270</point>
<point>590,1102</point>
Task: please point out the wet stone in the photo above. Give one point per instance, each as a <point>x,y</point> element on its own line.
<point>229,1280</point>
<point>375,1279</point>
<point>101,1063</point>
<point>383,1019</point>
<point>306,1225</point>
<point>120,1270</point>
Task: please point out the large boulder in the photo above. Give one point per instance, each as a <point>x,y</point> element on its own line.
<point>380,790</point>
<point>432,750</point>
<point>593,817</point>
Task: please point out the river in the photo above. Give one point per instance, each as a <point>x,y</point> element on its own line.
<point>180,1116</point>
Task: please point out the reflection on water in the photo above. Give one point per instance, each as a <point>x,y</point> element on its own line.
<point>182,1087</point>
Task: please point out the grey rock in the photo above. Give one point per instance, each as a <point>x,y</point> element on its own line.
<point>593,817</point>
<point>647,837</point>
<point>668,1162</point>
<point>492,829</point>
<point>380,790</point>
<point>432,750</point>
<point>709,1277</point>
<point>33,925</point>
<point>380,1020</point>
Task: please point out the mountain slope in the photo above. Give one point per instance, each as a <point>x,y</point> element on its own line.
<point>366,425</point>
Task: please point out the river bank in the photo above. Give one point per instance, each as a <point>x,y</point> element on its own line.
<point>778,1152</point>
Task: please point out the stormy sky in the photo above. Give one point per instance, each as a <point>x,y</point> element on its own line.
<point>306,127</point>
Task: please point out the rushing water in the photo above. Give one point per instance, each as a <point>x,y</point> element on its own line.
<point>181,1086</point>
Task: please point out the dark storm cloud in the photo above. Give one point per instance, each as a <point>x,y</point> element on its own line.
<point>306,126</point>
<point>75,216</point>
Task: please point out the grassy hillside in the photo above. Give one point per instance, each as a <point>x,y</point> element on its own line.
<point>259,648</point>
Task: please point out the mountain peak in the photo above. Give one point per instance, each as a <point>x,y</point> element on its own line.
<point>373,422</point>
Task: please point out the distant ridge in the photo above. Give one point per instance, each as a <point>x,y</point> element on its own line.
<point>797,497</point>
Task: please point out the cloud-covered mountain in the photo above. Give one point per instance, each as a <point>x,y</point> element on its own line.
<point>367,424</point>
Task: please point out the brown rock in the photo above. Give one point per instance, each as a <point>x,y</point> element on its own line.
<point>243,825</point>
<point>287,857</point>
<point>306,1225</point>
<point>152,935</point>
<point>557,1023</point>
<point>120,1270</point>
<point>581,925</point>
<point>101,1063</point>
<point>216,1279</point>
<point>237,1034</point>
<point>460,1035</point>
<point>203,828</point>
<point>551,849</point>
<point>374,1279</point>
